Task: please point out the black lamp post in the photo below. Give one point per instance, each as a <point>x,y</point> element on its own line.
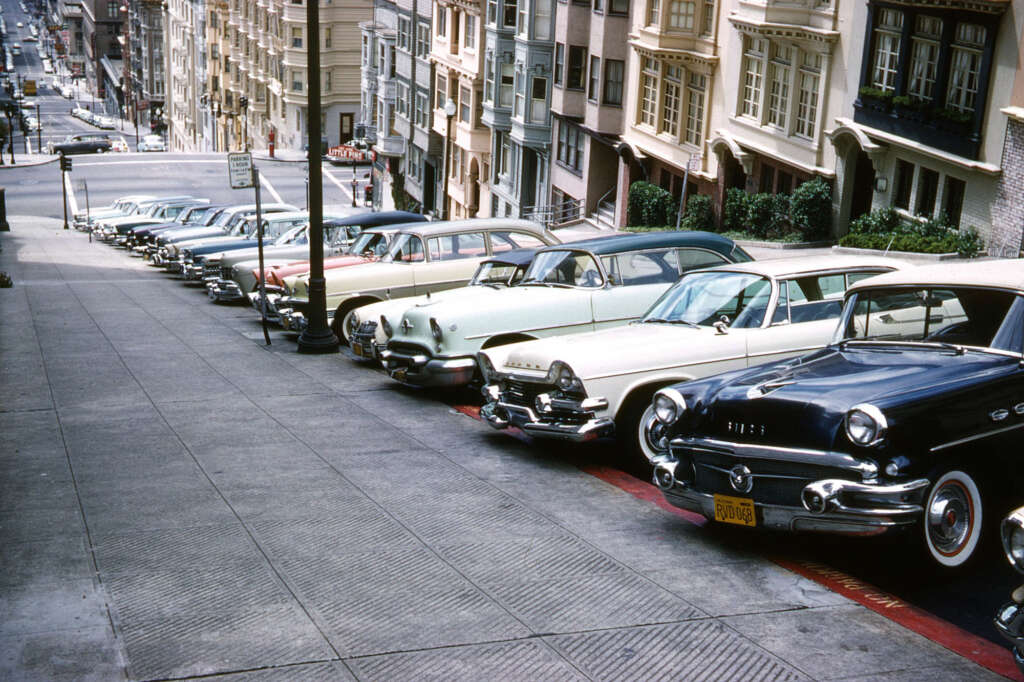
<point>449,112</point>
<point>10,107</point>
<point>317,337</point>
<point>243,102</point>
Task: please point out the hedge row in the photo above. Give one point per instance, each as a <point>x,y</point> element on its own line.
<point>884,229</point>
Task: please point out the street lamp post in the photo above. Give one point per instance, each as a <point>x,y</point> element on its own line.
<point>39,130</point>
<point>449,112</point>
<point>9,109</point>
<point>243,102</point>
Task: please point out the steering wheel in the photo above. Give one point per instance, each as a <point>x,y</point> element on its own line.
<point>591,278</point>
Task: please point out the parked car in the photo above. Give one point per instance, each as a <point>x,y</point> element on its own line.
<point>283,226</point>
<point>600,384</point>
<point>570,288</point>
<point>1009,619</point>
<point>237,273</point>
<point>125,205</point>
<point>912,418</point>
<point>152,143</point>
<point>229,222</point>
<point>104,122</point>
<point>94,143</point>
<point>118,144</point>
<point>423,257</point>
<point>368,326</point>
<point>179,216</point>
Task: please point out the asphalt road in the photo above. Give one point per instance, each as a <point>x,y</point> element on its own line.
<point>968,601</point>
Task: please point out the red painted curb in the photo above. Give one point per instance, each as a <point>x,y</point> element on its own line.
<point>976,649</point>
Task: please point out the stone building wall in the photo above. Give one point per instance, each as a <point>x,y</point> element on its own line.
<point>1008,209</point>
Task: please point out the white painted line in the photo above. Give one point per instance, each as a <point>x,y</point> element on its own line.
<point>270,188</point>
<point>344,190</point>
<point>72,204</point>
<point>149,163</point>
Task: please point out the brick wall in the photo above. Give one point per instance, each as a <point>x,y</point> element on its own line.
<point>1008,208</point>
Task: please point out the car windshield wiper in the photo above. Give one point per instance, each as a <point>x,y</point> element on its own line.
<point>662,320</point>
<point>940,345</point>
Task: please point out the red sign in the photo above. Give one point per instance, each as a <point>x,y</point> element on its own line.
<point>142,104</point>
<point>345,152</point>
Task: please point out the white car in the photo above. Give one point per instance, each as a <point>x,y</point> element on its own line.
<point>712,320</point>
<point>32,123</point>
<point>152,143</point>
<point>105,122</point>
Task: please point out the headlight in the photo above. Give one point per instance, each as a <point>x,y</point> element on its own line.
<point>353,322</point>
<point>561,375</point>
<point>386,326</point>
<point>1013,538</point>
<point>486,367</point>
<point>865,425</point>
<point>669,406</point>
<point>435,329</point>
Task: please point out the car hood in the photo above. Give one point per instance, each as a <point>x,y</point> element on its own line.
<point>285,253</point>
<point>394,308</point>
<point>292,269</point>
<point>802,401</point>
<point>180,234</point>
<point>628,349</point>
<point>366,275</point>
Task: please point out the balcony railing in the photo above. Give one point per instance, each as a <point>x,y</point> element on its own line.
<point>554,215</point>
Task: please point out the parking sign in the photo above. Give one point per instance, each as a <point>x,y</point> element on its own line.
<point>240,170</point>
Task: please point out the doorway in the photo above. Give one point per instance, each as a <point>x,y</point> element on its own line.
<point>345,128</point>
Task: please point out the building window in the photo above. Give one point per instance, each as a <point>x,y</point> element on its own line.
<point>649,71</point>
<point>559,63</point>
<point>709,18</point>
<point>422,40</point>
<point>296,81</point>
<point>570,145</point>
<point>520,100</point>
<point>465,105</point>
<point>887,49</point>
<point>541,19</point>
<point>654,13</point>
<point>927,190</point>
<point>489,78</point>
<point>778,84</point>
<point>539,100</point>
<point>402,100</point>
<point>296,36</point>
<point>671,93</point>
<point>327,38</point>
<point>492,12</point>
<point>809,79</point>
<point>506,154</point>
<point>753,74</point>
<point>469,40</point>
<point>508,19</point>
<point>681,14</point>
<point>618,7</point>
<point>422,110</point>
<point>594,85</point>
<point>327,81</point>
<point>574,74</point>
<point>598,6</point>
<point>404,30</point>
<point>441,92</point>
<point>506,86</point>
<point>695,89</point>
<point>924,56</point>
<point>953,199</point>
<point>904,184</point>
<point>613,74</point>
<point>965,66</point>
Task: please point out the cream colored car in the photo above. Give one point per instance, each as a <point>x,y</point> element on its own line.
<point>713,320</point>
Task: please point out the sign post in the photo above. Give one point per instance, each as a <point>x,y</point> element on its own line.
<point>242,174</point>
<point>694,165</point>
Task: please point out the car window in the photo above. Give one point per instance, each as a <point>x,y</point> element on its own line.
<point>705,298</point>
<point>643,267</point>
<point>508,240</point>
<point>457,246</point>
<point>407,248</point>
<point>810,299</point>
<point>564,268</point>
<point>497,274</point>
<point>691,259</point>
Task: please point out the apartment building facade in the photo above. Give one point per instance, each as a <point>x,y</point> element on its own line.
<point>378,104</point>
<point>187,97</point>
<point>145,61</point>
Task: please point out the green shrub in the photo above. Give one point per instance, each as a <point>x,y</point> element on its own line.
<point>699,214</point>
<point>884,230</point>
<point>767,215</point>
<point>734,214</point>
<point>969,243</point>
<point>879,221</point>
<point>876,93</point>
<point>810,209</point>
<point>650,205</point>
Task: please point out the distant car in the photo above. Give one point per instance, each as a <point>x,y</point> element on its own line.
<point>32,123</point>
<point>30,39</point>
<point>16,48</point>
<point>152,143</point>
<point>118,144</point>
<point>104,122</point>
<point>82,144</point>
<point>21,25</point>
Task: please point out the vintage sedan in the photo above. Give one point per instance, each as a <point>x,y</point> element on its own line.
<point>571,288</point>
<point>423,257</point>
<point>730,316</point>
<point>237,273</point>
<point>231,222</point>
<point>1009,619</point>
<point>371,325</point>
<point>912,418</point>
<point>121,206</point>
<point>279,229</point>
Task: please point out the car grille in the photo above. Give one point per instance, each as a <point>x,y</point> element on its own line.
<point>408,348</point>
<point>225,272</point>
<point>367,328</point>
<point>211,269</point>
<point>524,392</point>
<point>776,482</point>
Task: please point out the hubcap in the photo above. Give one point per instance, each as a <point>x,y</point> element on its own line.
<point>652,435</point>
<point>950,518</point>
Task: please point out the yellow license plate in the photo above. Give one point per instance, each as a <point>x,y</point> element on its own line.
<point>737,510</point>
<point>357,349</point>
<point>399,374</point>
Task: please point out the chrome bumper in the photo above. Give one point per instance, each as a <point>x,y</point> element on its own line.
<point>829,505</point>
<point>293,320</point>
<point>192,271</point>
<point>365,346</point>
<point>273,314</point>
<point>174,266</point>
<point>225,290</point>
<point>1009,622</point>
<point>422,370</point>
<point>575,420</point>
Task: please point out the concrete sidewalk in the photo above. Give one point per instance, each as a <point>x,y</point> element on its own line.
<point>177,500</point>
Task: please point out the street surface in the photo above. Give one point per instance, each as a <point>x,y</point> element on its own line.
<point>179,500</point>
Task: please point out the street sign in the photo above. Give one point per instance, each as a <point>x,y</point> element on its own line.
<point>240,170</point>
<point>346,152</point>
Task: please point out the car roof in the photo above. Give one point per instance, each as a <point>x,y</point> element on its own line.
<point>618,243</point>
<point>513,257</point>
<point>796,265</point>
<point>1001,274</point>
<point>376,219</point>
<point>472,225</point>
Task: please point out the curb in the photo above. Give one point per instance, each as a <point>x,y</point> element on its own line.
<point>29,164</point>
<point>785,246</point>
<point>907,255</point>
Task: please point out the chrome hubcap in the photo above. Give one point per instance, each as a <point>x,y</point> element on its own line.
<point>949,518</point>
<point>652,435</point>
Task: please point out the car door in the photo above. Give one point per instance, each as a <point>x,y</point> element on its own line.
<point>453,259</point>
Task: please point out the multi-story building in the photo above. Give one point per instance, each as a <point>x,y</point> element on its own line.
<point>587,95</point>
<point>144,61</point>
<point>933,129</point>
<point>414,80</point>
<point>378,103</point>
<point>458,104</point>
<point>101,28</point>
<point>70,42</point>
<point>186,74</point>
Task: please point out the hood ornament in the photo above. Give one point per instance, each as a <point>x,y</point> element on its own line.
<point>406,325</point>
<point>767,387</point>
<point>741,479</point>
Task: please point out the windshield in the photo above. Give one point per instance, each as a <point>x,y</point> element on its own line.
<point>939,315</point>
<point>294,236</point>
<point>272,229</point>
<point>497,274</point>
<point>564,268</point>
<point>242,225</point>
<point>226,217</point>
<point>369,244</point>
<point>738,299</point>
<point>407,248</point>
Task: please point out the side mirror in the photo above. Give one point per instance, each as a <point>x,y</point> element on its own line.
<point>613,279</point>
<point>722,326</point>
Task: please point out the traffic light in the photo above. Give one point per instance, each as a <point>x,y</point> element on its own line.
<point>243,101</point>
<point>65,163</point>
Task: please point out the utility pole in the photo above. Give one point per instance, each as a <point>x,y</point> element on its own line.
<point>65,166</point>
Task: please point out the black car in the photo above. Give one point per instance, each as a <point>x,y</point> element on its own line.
<point>83,144</point>
<point>1010,618</point>
<point>912,418</point>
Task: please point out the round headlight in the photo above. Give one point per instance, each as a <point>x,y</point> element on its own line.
<point>564,378</point>
<point>1013,539</point>
<point>353,322</point>
<point>386,326</point>
<point>669,405</point>
<point>435,329</point>
<point>865,425</point>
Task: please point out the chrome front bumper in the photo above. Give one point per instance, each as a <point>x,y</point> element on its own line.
<point>364,342</point>
<point>1009,622</point>
<point>572,420</point>
<point>225,290</point>
<point>422,370</point>
<point>832,505</point>
<point>193,271</point>
<point>273,313</point>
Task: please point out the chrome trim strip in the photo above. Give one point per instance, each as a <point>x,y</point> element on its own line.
<point>488,335</point>
<point>728,471</point>
<point>977,436</point>
<point>830,458</point>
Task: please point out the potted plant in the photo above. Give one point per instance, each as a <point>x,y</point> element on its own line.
<point>875,98</point>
